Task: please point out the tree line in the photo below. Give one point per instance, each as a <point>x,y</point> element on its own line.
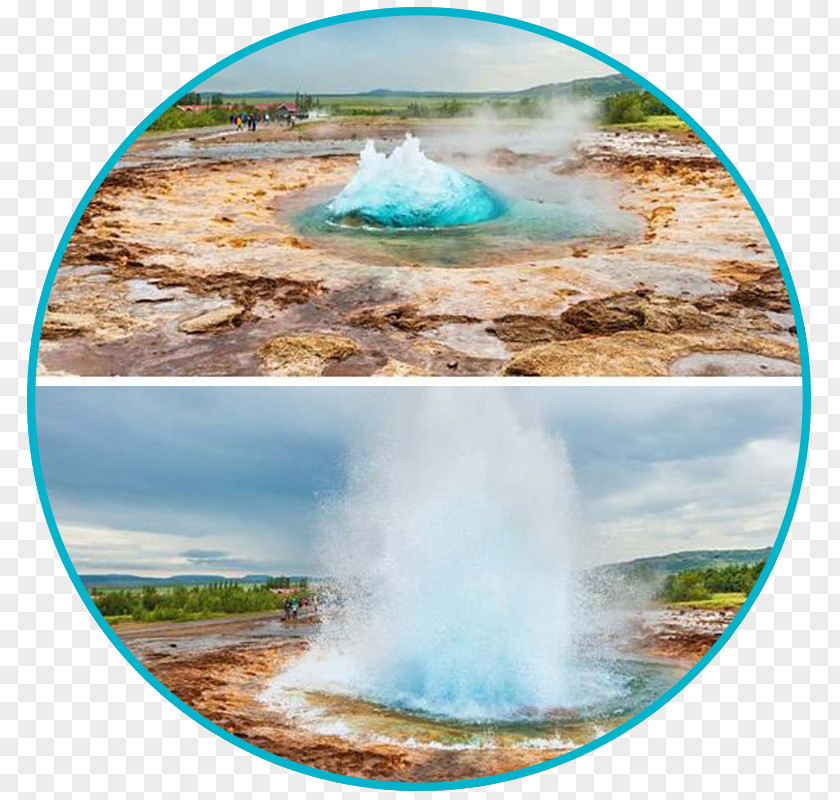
<point>616,109</point>
<point>620,108</point>
<point>151,604</point>
<point>304,101</point>
<point>287,583</point>
<point>524,107</point>
<point>198,99</point>
<point>701,584</point>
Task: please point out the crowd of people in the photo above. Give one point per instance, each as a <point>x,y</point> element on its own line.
<point>249,121</point>
<point>294,607</point>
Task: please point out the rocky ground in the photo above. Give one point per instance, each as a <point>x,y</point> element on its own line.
<point>680,634</point>
<point>220,668</point>
<point>194,266</point>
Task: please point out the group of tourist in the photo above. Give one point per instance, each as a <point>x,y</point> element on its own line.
<point>294,606</point>
<point>247,121</point>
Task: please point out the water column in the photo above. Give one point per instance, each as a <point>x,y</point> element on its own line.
<point>408,190</point>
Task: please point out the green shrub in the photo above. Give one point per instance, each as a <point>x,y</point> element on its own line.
<point>685,586</point>
<point>626,108</point>
<point>174,119</point>
<point>623,108</point>
<point>654,107</point>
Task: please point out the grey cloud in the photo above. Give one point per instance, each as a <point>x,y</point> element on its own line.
<point>244,472</point>
<point>393,53</point>
<point>204,554</point>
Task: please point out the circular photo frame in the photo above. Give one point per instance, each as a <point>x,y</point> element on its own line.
<point>474,667</point>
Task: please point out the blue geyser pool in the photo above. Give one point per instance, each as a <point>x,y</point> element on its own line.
<point>625,687</point>
<point>408,190</point>
<point>406,209</point>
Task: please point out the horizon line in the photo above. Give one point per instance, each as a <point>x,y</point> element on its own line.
<point>404,90</point>
<point>273,574</point>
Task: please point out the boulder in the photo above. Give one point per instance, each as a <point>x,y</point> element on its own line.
<point>305,354</point>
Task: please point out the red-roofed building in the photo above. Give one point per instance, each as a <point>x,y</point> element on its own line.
<point>284,591</point>
<point>266,106</point>
<point>200,108</point>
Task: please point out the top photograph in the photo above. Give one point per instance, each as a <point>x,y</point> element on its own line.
<point>419,196</point>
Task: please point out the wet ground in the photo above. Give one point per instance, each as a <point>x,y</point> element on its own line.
<point>222,668</point>
<point>191,259</point>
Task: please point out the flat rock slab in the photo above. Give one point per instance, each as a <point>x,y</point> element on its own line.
<point>211,321</point>
<point>734,364</point>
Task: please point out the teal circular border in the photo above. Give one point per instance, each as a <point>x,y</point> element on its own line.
<point>601,740</point>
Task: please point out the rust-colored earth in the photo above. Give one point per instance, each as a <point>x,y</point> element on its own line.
<point>221,667</point>
<point>184,264</point>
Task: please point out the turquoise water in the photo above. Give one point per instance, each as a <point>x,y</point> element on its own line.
<point>622,689</point>
<point>404,208</point>
<point>525,229</point>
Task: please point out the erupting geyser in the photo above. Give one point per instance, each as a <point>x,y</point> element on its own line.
<point>408,190</point>
<point>453,551</point>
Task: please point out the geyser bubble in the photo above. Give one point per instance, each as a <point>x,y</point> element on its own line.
<point>408,190</point>
<point>454,552</point>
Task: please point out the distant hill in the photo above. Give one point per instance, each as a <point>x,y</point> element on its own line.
<point>266,93</point>
<point>654,568</point>
<point>594,87</point>
<point>120,581</point>
<point>659,567</point>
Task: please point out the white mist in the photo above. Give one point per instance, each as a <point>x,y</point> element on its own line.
<point>454,551</point>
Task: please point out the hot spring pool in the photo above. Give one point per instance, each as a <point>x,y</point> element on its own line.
<point>409,210</point>
<point>618,690</point>
<point>525,230</point>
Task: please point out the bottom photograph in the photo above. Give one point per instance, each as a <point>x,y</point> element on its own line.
<point>418,584</point>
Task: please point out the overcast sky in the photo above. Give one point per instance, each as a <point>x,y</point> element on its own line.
<point>409,53</point>
<point>234,480</point>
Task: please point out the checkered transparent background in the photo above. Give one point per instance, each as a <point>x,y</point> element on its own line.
<point>76,720</point>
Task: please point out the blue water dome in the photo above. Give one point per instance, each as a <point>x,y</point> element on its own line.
<point>408,190</point>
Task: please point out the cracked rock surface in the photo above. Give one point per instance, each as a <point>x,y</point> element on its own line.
<point>194,265</point>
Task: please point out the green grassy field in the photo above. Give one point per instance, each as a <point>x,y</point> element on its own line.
<point>352,100</point>
<point>719,601</point>
<point>185,123</point>
<point>122,619</point>
<point>351,105</point>
<point>619,103</point>
<point>660,123</point>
